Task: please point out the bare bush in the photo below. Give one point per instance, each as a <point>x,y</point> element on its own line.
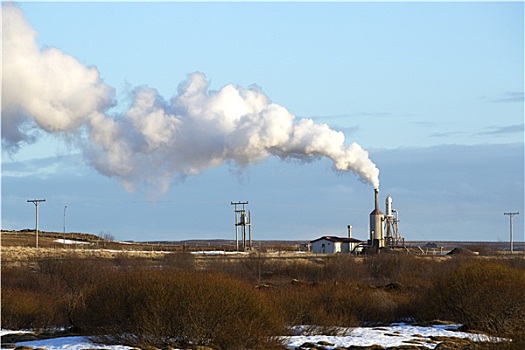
<point>163,308</point>
<point>168,301</point>
<point>179,260</point>
<point>385,266</point>
<point>107,236</point>
<point>257,266</point>
<point>22,309</point>
<point>325,304</point>
<point>483,295</point>
<point>345,267</point>
<point>283,271</point>
<point>29,300</point>
<point>75,277</point>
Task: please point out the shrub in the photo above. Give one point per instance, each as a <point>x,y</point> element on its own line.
<point>47,296</point>
<point>179,260</point>
<point>168,308</point>
<point>324,304</point>
<point>385,266</point>
<point>487,296</point>
<point>133,301</point>
<point>72,278</point>
<point>256,266</point>
<point>31,300</point>
<point>29,310</point>
<point>345,267</point>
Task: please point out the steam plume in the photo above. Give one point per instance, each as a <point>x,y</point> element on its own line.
<point>155,140</point>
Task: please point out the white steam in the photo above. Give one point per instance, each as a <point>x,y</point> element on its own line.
<point>154,140</point>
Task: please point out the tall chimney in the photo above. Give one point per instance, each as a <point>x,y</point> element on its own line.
<point>377,198</point>
<point>349,231</point>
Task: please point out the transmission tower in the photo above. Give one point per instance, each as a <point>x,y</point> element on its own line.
<point>242,220</point>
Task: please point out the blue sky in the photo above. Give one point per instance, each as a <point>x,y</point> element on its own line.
<point>433,91</point>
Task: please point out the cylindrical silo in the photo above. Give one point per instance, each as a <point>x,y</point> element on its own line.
<point>376,224</point>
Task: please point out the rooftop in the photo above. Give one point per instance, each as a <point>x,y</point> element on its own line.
<point>337,239</point>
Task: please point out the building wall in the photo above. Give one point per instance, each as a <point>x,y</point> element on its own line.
<point>351,246</point>
<point>324,246</point>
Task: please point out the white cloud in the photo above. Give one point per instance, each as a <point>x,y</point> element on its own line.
<point>155,141</point>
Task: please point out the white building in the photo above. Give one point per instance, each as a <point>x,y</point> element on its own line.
<point>333,244</point>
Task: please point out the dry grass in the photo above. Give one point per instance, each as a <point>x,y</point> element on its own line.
<point>17,256</point>
<point>23,253</point>
<point>333,290</point>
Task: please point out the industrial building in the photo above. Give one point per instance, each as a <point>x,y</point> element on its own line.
<point>332,245</point>
<point>384,232</point>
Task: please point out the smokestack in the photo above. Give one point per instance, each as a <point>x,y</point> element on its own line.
<point>376,191</point>
<point>349,231</point>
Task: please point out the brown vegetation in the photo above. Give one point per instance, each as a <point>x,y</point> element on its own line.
<point>169,308</point>
<point>177,299</point>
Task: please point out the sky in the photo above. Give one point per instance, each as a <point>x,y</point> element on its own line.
<point>148,119</point>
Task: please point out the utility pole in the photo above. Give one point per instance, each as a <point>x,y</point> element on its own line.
<point>511,231</point>
<point>65,207</point>
<point>35,202</point>
<point>241,221</point>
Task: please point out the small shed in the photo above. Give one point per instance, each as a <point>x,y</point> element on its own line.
<point>333,244</point>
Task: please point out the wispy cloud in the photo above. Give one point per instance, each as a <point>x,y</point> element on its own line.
<point>491,131</point>
<point>445,134</point>
<point>424,123</point>
<point>508,96</point>
<point>361,115</point>
<point>503,130</point>
<point>44,167</point>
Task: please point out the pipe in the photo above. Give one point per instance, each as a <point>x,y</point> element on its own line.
<point>376,191</point>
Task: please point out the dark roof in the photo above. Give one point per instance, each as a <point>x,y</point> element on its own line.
<point>337,239</point>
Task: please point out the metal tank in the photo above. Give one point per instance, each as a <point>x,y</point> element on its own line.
<point>376,224</point>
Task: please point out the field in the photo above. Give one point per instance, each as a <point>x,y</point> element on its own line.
<point>201,294</point>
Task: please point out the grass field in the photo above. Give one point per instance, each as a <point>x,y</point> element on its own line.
<point>206,294</point>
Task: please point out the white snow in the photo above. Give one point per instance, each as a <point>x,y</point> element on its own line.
<point>217,252</point>
<point>394,335</point>
<point>69,241</point>
<point>7,331</point>
<point>70,343</point>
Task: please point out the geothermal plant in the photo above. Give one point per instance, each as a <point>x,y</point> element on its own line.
<point>384,226</point>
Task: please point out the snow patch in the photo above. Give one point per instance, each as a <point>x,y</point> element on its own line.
<point>396,334</point>
<point>69,241</point>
